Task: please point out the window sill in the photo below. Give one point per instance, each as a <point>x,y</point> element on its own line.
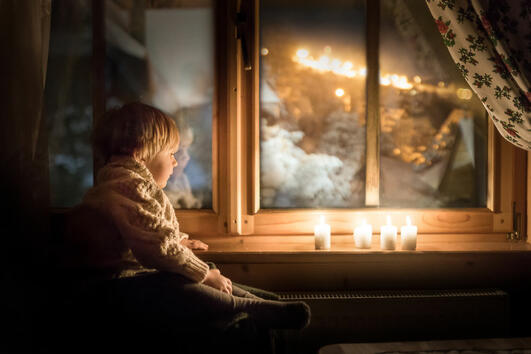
<point>440,262</point>
<point>344,245</point>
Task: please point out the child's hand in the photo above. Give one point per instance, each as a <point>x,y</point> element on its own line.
<point>194,244</point>
<point>215,280</point>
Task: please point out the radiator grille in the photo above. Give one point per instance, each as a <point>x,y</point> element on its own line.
<point>398,315</point>
<point>387,294</point>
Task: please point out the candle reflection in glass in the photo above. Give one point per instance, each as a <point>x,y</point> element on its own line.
<point>322,235</point>
<point>408,235</point>
<point>363,235</point>
<point>388,235</point>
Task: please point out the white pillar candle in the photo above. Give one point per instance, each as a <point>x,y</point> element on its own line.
<point>408,235</point>
<point>388,235</point>
<point>363,235</point>
<point>322,235</point>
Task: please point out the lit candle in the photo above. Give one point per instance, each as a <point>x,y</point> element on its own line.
<point>408,235</point>
<point>388,235</point>
<point>363,235</point>
<point>322,235</point>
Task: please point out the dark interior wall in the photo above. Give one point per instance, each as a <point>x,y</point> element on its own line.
<point>23,151</point>
<point>26,278</point>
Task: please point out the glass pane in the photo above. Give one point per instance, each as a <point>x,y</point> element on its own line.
<point>68,101</point>
<point>433,128</point>
<point>312,104</point>
<point>163,55</point>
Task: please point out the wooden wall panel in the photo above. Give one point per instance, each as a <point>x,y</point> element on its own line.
<point>396,271</point>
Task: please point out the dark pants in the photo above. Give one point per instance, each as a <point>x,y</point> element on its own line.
<point>163,312</point>
<point>172,297</point>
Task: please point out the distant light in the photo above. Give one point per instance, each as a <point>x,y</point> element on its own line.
<point>327,49</point>
<point>340,92</point>
<point>324,60</point>
<point>464,94</point>
<point>264,51</point>
<point>396,151</point>
<point>417,79</point>
<point>385,80</point>
<point>347,65</point>
<point>326,63</point>
<point>441,84</point>
<point>302,53</point>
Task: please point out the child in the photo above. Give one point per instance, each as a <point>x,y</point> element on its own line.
<point>137,142</point>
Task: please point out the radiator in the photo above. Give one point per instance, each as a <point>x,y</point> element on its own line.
<point>398,315</point>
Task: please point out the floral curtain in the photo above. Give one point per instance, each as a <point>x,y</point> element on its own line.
<point>490,42</point>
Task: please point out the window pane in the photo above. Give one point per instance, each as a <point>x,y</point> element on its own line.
<point>68,101</point>
<point>312,104</point>
<point>433,128</point>
<point>164,56</point>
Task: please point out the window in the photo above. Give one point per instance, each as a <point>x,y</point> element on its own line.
<point>433,128</point>
<point>425,147</point>
<point>312,104</point>
<point>292,110</point>
<point>163,54</point>
<point>313,118</point>
<point>68,101</point>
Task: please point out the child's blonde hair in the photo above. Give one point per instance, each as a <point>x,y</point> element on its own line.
<point>136,129</point>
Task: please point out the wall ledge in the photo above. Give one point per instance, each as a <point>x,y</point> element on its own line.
<point>290,263</point>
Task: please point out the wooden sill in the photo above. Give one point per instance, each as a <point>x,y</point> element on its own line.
<point>441,261</point>
<point>344,244</point>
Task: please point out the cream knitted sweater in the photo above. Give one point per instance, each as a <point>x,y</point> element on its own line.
<point>127,192</point>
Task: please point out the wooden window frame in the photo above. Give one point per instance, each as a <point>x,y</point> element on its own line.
<point>506,168</point>
<point>236,153</point>
<point>203,222</point>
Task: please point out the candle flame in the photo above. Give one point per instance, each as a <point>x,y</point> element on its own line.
<point>408,220</point>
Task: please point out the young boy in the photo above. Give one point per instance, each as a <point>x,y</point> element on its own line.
<point>137,143</point>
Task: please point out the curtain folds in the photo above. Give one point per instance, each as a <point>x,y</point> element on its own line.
<point>24,36</point>
<point>490,42</point>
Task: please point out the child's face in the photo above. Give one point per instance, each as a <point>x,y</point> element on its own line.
<point>162,165</point>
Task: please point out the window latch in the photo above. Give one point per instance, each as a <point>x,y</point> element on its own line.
<point>241,22</point>
<point>515,235</point>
